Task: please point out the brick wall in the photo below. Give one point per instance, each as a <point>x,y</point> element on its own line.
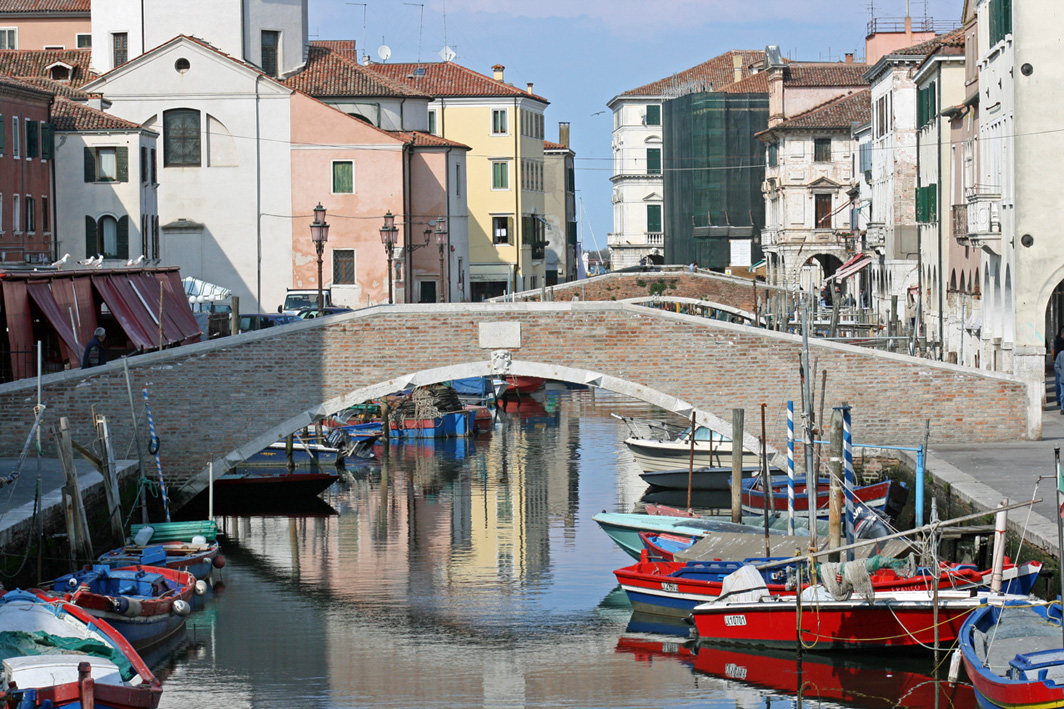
<point>726,290</point>
<point>213,398</point>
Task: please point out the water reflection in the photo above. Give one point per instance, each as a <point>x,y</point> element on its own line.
<point>450,573</point>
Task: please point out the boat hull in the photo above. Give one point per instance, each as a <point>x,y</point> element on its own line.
<point>197,561</point>
<point>654,456</point>
<point>624,529</point>
<point>246,485</point>
<point>753,498</point>
<point>700,478</point>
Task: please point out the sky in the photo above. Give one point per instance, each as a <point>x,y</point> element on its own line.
<point>581,53</point>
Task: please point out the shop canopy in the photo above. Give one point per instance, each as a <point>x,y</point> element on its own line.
<point>149,306</point>
<point>851,267</point>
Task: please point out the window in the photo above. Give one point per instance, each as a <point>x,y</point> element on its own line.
<point>59,72</point>
<point>143,164</point>
<point>498,122</point>
<point>1000,20</point>
<point>1,212</point>
<point>119,48</point>
<point>107,164</point>
<point>343,267</point>
<point>144,234</point>
<point>271,41</point>
<point>458,180</point>
<point>47,141</point>
<point>773,154</point>
<point>822,211</point>
<point>16,138</point>
<point>153,172</point>
<point>822,150</point>
<point>32,139</point>
<point>107,236</point>
<point>427,292</point>
<point>343,177</point>
<point>31,216</point>
<point>16,215</point>
<point>570,180</point>
<point>432,123</point>
<point>2,131</point>
<point>500,175</point>
<point>654,115</point>
<point>925,104</point>
<point>155,250</point>
<point>181,138</point>
<point>653,161</point>
<point>500,228</point>
<point>654,218</point>
<point>8,38</point>
<point>84,41</point>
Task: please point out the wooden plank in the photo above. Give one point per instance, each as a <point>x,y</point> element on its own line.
<point>82,540</point>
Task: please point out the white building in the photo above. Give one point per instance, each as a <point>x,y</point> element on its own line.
<point>638,184</point>
<point>270,34</point>
<point>559,208</point>
<point>106,185</point>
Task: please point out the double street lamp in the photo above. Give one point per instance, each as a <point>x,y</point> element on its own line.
<point>319,233</point>
<point>441,243</point>
<point>389,234</point>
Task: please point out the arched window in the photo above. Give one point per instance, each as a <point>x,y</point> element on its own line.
<point>181,138</point>
<point>962,282</point>
<point>953,281</point>
<point>107,236</point>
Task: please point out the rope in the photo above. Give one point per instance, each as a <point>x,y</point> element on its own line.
<point>1030,508</point>
<point>36,511</point>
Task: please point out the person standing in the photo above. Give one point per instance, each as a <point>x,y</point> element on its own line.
<point>95,354</point>
<point>1058,347</point>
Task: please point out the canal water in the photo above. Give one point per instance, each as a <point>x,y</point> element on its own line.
<point>470,573</point>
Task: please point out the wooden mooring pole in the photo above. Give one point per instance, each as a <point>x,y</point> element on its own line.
<point>77,524</point>
<point>737,465</point>
<point>835,495</point>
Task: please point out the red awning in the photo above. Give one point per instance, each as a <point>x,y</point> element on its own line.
<point>19,329</point>
<point>180,308</point>
<point>74,296</point>
<point>851,267</point>
<point>42,295</point>
<point>146,291</point>
<point>134,321</point>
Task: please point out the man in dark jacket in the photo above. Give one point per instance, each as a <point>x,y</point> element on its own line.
<point>95,354</point>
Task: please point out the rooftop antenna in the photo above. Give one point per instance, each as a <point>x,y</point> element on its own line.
<point>363,26</point>
<point>384,51</point>
<point>421,26</point>
<point>446,54</point>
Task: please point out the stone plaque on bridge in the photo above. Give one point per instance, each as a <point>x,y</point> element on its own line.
<point>500,335</point>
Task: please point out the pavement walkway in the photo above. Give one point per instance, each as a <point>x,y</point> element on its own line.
<point>987,473</point>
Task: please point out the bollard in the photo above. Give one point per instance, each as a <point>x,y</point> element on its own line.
<point>737,465</point>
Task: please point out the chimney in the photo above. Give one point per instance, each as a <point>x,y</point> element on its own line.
<point>530,87</point>
<point>497,71</point>
<point>737,66</point>
<point>849,57</point>
<point>563,133</point>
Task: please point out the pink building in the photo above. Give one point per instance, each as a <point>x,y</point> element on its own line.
<point>27,149</point>
<point>45,24</point>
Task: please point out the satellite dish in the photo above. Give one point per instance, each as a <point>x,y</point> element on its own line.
<point>447,54</point>
<point>384,52</point>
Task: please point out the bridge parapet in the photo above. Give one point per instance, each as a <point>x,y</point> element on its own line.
<point>222,400</point>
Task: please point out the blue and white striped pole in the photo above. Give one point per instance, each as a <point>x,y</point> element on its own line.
<point>155,449</point>
<point>790,468</point>
<point>847,458</point>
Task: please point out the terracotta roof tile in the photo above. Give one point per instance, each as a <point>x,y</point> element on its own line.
<point>17,83</point>
<point>836,114</point>
<point>824,74</point>
<point>35,62</point>
<point>548,145</point>
<point>950,39</point>
<point>79,6</point>
<point>334,72</point>
<point>711,75</point>
<point>448,79</point>
<point>422,139</point>
<point>59,88</point>
<point>753,84</point>
<point>73,117</point>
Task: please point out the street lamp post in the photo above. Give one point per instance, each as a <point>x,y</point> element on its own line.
<point>441,243</point>
<point>389,233</point>
<point>319,232</point>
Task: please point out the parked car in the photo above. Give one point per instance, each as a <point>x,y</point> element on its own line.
<point>261,321</point>
<point>310,313</point>
<point>301,299</point>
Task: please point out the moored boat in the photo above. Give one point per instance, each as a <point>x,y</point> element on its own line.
<point>147,605</point>
<point>56,654</point>
<point>244,485</point>
<point>874,496</point>
<point>186,546</point>
<point>1012,655</point>
<point>624,529</point>
<point>520,385</point>
<point>703,478</point>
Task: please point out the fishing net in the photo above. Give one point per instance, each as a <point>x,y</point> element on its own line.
<point>842,579</point>
<point>19,643</point>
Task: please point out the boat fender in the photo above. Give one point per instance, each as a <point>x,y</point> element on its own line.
<point>132,607</point>
<point>143,536</point>
<point>199,539</point>
<point>955,666</point>
<point>73,583</point>
<point>182,608</point>
<point>219,562</point>
<point>201,587</point>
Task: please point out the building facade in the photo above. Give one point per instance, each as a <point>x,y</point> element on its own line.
<point>53,25</point>
<point>27,151</point>
<point>559,184</point>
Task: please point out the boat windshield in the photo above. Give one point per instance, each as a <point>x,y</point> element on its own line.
<point>703,434</point>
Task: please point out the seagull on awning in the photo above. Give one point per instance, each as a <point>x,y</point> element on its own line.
<point>61,262</point>
<point>136,261</point>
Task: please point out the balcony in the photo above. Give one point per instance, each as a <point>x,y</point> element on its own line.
<point>876,235</point>
<point>655,238</point>
<point>650,238</point>
<point>959,221</point>
<point>984,220</point>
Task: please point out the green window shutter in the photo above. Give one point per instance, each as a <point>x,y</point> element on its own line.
<point>122,159</point>
<point>932,200</point>
<point>123,238</point>
<point>90,166</point>
<point>47,141</point>
<point>654,218</point>
<point>31,139</point>
<point>653,161</point>
<point>91,245</point>
<point>2,132</point>
<point>343,178</point>
<point>654,115</point>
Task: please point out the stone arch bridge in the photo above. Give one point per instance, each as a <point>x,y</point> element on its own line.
<point>225,399</point>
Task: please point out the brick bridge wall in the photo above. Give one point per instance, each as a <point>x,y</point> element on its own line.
<point>226,398</point>
<point>714,287</point>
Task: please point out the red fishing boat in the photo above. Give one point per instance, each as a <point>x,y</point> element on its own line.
<point>522,385</point>
<point>753,495</point>
<point>675,588</point>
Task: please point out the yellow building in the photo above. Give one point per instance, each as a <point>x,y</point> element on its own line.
<point>503,126</point>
